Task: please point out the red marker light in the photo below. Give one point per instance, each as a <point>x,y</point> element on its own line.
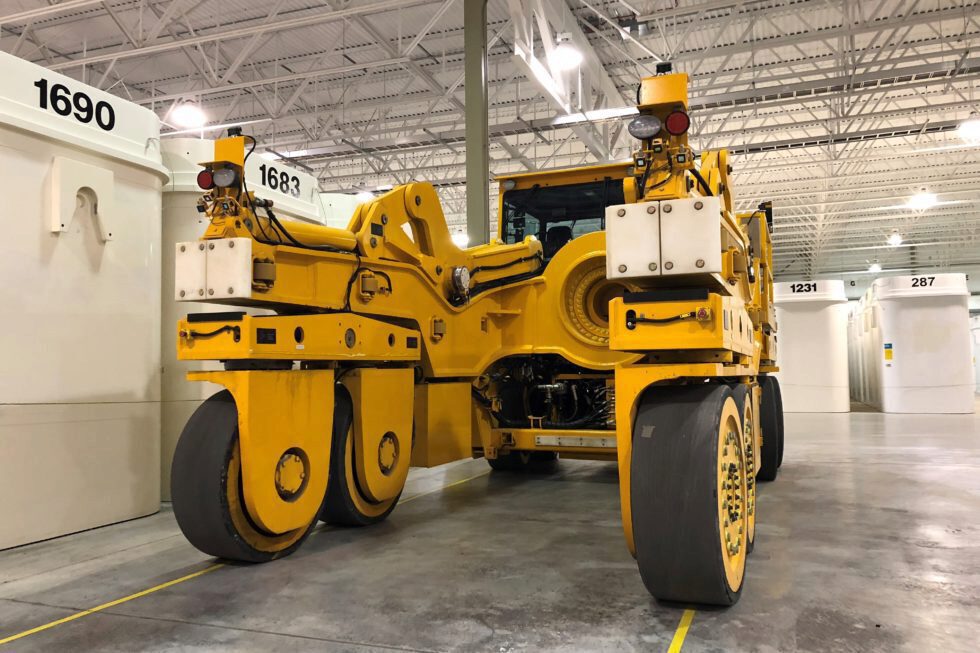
<point>205,180</point>
<point>677,123</point>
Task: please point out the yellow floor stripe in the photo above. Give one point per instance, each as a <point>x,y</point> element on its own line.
<point>681,632</point>
<point>110,604</point>
<point>444,487</point>
<point>176,581</point>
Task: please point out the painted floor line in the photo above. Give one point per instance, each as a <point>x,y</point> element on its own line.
<point>110,604</point>
<point>681,632</point>
<point>177,581</point>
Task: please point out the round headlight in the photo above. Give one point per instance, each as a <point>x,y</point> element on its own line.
<point>225,177</point>
<point>644,127</point>
<point>461,280</point>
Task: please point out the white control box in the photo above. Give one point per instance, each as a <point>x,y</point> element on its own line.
<point>213,269</point>
<point>690,236</point>
<point>669,237</point>
<point>633,240</point>
<point>229,268</point>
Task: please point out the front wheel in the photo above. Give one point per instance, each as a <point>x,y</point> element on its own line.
<point>688,494</point>
<point>206,489</point>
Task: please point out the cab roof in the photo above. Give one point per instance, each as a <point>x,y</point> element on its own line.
<point>569,175</point>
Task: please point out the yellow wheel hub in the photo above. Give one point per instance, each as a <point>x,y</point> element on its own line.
<point>291,474</point>
<point>732,494</point>
<point>748,450</point>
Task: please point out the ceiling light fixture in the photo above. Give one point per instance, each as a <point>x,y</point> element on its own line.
<point>895,239</point>
<point>969,129</point>
<point>922,200</point>
<point>188,115</point>
<point>874,268</point>
<point>565,56</point>
<point>364,196</point>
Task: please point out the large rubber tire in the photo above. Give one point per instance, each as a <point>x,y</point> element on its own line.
<point>531,462</point>
<point>781,422</point>
<point>205,482</point>
<point>770,417</point>
<point>344,504</point>
<point>742,396</point>
<point>676,509</point>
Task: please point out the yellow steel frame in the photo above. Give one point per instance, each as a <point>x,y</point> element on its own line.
<point>389,277</point>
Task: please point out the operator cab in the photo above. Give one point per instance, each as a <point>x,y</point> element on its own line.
<point>557,206</point>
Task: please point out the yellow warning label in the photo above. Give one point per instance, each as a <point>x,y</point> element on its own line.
<point>888,354</point>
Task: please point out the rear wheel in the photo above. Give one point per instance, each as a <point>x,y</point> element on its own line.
<point>345,504</point>
<point>781,421</point>
<point>770,418</point>
<point>207,494</point>
<point>688,494</point>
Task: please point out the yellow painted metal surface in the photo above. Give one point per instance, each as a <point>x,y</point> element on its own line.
<point>719,323</point>
<point>382,400</point>
<point>230,150</point>
<point>442,430</point>
<point>336,336</point>
<point>280,412</point>
<point>663,90</point>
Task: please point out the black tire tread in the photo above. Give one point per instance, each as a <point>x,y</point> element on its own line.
<point>673,494</point>
<point>198,482</point>
<point>769,422</point>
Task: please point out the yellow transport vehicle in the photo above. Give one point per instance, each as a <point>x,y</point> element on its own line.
<point>626,315</point>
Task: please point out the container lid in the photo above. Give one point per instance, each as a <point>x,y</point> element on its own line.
<point>295,194</point>
<point>824,291</point>
<point>59,108</point>
<point>920,285</point>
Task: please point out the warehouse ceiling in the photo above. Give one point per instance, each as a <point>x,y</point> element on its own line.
<point>838,111</point>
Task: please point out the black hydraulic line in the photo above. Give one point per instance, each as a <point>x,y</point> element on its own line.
<point>282,229</point>
<point>208,334</point>
<point>594,418</point>
<point>633,320</point>
<point>479,288</point>
<point>701,181</point>
<point>483,268</point>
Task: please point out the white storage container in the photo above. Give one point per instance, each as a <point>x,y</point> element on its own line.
<point>79,393</point>
<point>813,348</point>
<point>338,208</point>
<point>296,199</point>
<point>975,332</point>
<point>914,339</point>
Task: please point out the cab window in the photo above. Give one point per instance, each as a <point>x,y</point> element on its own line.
<point>557,214</point>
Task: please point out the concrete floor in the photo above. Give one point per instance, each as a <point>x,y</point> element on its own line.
<point>868,541</point>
